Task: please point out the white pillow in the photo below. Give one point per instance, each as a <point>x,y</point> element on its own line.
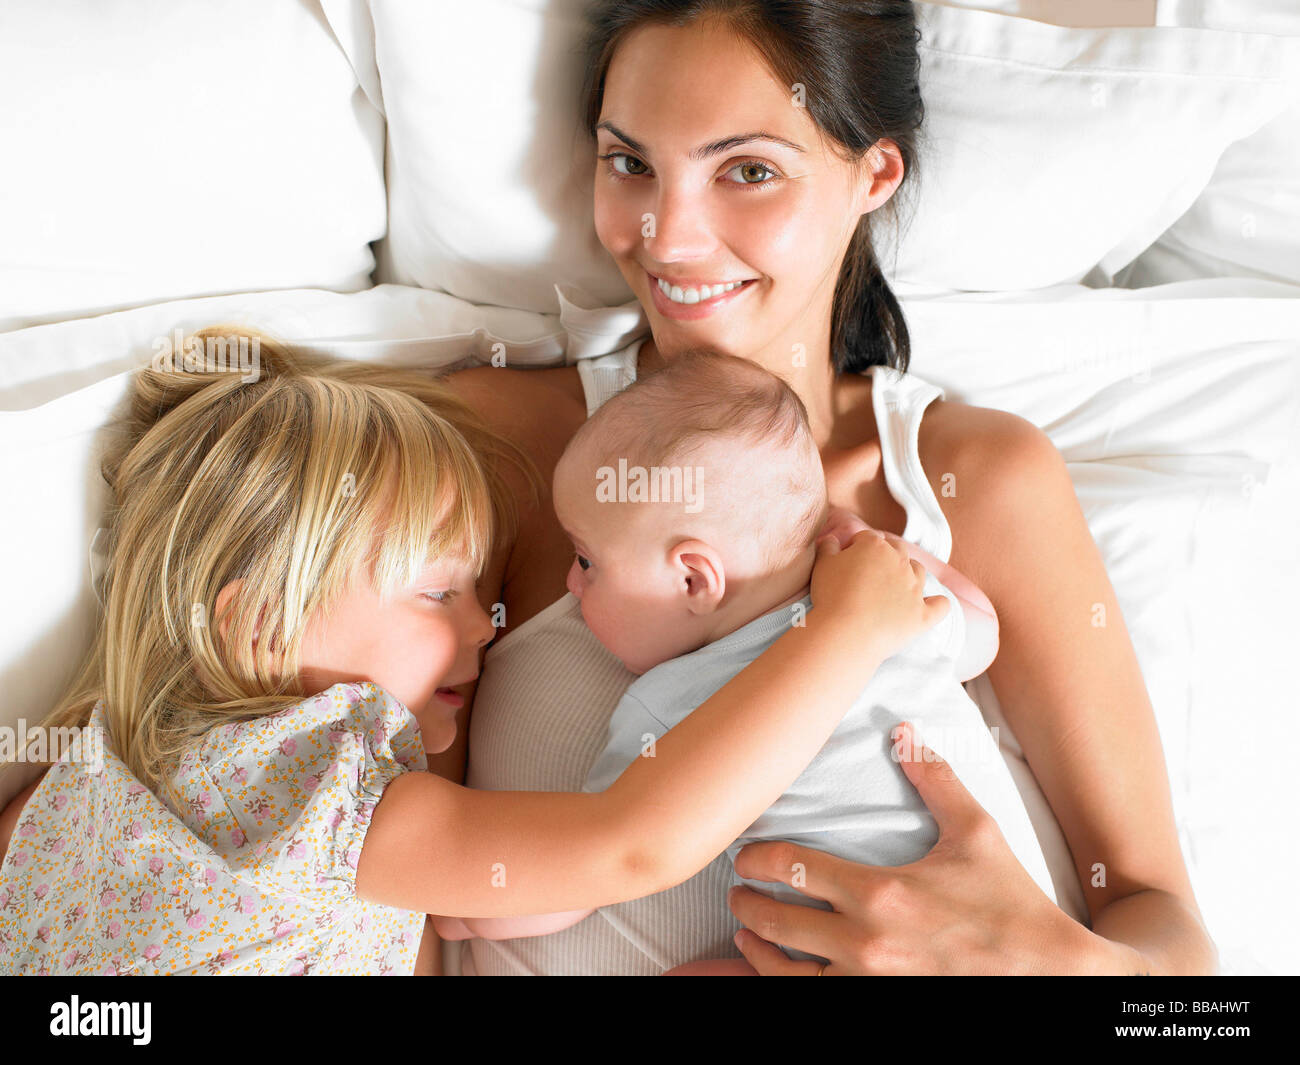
<point>1246,223</point>
<point>489,175</point>
<point>157,150</point>
<point>1049,151</point>
<point>1056,154</point>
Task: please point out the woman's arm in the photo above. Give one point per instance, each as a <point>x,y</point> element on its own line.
<point>1068,680</point>
<point>440,848</point>
<point>1070,686</point>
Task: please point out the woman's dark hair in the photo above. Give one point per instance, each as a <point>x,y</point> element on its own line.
<point>858,64</point>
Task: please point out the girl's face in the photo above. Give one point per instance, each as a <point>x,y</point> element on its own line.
<point>416,645</point>
<point>713,183</point>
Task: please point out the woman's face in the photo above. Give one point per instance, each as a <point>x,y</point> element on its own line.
<point>711,174</point>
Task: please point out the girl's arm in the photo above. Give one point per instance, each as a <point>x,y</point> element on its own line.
<point>436,847</point>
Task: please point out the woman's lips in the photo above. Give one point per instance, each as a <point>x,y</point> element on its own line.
<point>448,696</point>
<point>690,312</point>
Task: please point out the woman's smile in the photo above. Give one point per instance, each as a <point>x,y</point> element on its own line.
<point>687,303</point>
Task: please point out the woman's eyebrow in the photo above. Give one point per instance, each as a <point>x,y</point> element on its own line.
<point>705,150</point>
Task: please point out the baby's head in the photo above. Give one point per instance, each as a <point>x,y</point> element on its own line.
<point>693,500</point>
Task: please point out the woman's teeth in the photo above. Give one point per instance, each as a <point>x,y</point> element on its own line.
<point>695,295</point>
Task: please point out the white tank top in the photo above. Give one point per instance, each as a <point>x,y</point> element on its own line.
<point>548,689</point>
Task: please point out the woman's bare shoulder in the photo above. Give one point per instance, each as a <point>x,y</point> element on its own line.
<point>959,433</point>
<point>539,410</point>
<point>990,470</point>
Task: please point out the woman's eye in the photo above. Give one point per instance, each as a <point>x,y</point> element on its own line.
<point>626,165</point>
<point>753,173</point>
<point>584,564</point>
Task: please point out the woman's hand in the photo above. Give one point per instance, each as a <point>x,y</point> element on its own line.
<point>873,588</point>
<point>967,907</point>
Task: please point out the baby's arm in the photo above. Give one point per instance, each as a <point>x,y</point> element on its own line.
<point>981,646</point>
<point>435,847</point>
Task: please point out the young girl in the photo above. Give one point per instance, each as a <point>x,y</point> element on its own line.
<point>289,600</point>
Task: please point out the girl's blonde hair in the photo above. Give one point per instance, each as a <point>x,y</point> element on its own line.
<point>283,486</point>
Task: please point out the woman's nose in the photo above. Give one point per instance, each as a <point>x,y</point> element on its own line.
<point>677,227</point>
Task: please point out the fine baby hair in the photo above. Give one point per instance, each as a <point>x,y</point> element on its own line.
<point>743,426</point>
<point>279,487</point>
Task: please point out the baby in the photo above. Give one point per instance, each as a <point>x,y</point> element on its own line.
<point>694,500</point>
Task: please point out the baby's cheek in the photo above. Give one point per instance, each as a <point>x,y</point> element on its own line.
<point>604,619</point>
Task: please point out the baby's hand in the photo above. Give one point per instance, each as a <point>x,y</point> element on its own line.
<point>874,587</point>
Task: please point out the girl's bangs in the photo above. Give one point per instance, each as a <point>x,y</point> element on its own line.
<point>439,506</point>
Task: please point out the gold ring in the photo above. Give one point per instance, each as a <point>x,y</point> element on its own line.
<point>822,970</point>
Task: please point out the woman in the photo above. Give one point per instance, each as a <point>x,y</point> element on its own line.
<point>742,147</point>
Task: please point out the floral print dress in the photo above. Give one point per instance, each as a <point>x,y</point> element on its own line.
<point>245,863</point>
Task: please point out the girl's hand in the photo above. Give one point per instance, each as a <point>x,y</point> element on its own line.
<point>842,524</point>
<point>966,907</point>
<point>873,587</point>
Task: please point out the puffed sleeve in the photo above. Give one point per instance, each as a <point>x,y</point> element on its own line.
<point>287,798</point>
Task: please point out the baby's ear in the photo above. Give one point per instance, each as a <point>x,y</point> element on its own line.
<point>699,570</point>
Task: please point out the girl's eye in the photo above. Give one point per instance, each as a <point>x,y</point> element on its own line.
<point>625,165</point>
<point>439,597</point>
<point>584,564</point>
<point>753,173</point>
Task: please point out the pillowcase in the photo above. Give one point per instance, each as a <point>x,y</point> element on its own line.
<point>161,150</point>
<point>1246,222</point>
<point>1055,154</point>
<point>1051,154</point>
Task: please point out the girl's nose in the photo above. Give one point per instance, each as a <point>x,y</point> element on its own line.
<point>573,581</point>
<point>483,627</point>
